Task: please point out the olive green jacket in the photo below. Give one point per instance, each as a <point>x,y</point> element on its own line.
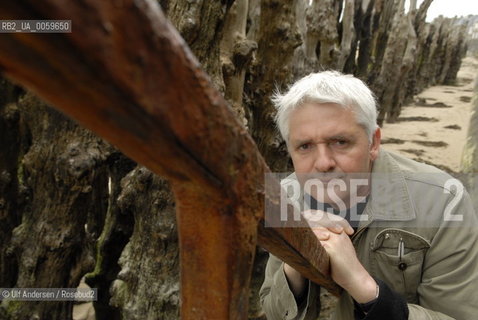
<point>437,273</point>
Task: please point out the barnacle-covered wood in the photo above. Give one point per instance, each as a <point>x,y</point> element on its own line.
<point>469,160</point>
<point>127,75</point>
<point>236,55</point>
<point>10,184</point>
<point>61,183</point>
<point>348,41</point>
<point>270,70</point>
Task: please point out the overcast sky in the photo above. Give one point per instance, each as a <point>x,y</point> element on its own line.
<point>451,8</point>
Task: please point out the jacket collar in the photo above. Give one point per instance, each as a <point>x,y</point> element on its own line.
<point>389,198</point>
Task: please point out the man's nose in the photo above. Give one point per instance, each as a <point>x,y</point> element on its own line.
<point>324,160</point>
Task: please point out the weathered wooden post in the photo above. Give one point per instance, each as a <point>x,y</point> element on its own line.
<point>126,74</point>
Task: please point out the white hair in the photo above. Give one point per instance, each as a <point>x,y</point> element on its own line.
<point>328,87</point>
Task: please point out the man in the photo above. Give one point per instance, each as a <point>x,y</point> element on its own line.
<point>413,252</point>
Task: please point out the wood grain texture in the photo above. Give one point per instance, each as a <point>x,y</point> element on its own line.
<point>126,74</point>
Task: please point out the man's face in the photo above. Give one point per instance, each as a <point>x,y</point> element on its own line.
<point>326,139</point>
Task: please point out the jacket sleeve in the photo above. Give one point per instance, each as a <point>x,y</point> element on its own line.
<point>450,270</point>
<point>389,305</point>
<point>277,299</point>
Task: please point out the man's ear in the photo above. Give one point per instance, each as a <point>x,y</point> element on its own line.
<point>374,148</point>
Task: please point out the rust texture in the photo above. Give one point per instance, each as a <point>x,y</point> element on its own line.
<point>126,74</point>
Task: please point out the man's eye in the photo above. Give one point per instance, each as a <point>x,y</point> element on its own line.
<point>340,143</point>
<point>304,146</point>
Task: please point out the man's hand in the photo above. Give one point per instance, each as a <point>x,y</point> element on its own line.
<point>323,219</point>
<point>317,220</point>
<point>333,233</point>
<point>346,269</point>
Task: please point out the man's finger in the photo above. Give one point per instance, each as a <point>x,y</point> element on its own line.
<point>322,233</point>
<point>315,217</point>
<point>349,230</point>
<point>322,219</point>
<point>338,220</point>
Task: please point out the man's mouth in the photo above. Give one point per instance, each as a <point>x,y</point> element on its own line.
<point>324,178</point>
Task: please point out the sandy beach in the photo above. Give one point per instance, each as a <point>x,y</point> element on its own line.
<point>433,129</point>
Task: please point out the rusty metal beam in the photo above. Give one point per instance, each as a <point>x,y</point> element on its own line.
<point>126,74</point>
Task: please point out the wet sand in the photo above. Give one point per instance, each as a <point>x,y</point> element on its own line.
<point>434,128</point>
